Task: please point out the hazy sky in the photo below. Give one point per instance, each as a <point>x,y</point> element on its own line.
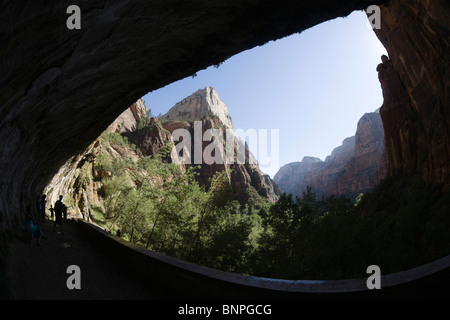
<point>313,87</point>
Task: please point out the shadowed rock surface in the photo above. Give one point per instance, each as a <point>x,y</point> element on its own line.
<point>416,87</point>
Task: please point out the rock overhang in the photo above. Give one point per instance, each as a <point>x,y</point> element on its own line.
<point>61,88</point>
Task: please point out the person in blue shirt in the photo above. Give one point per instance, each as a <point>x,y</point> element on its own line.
<point>33,228</point>
<point>36,231</point>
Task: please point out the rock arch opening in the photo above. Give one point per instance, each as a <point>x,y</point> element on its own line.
<point>353,168</point>
<point>51,110</point>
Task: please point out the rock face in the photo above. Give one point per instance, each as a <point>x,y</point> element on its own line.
<point>61,88</point>
<point>416,87</point>
<point>129,119</point>
<point>352,168</point>
<point>291,177</point>
<point>210,112</point>
<point>203,103</point>
<point>151,138</point>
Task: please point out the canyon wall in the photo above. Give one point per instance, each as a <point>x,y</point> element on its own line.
<point>354,167</point>
<point>416,87</point>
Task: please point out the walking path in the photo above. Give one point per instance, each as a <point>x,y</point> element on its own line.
<point>40,272</point>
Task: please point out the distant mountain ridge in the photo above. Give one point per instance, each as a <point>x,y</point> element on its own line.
<point>352,168</point>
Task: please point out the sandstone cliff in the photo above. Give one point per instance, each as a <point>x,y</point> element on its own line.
<point>206,106</point>
<point>352,168</point>
<point>416,87</point>
<point>203,103</point>
<point>291,177</point>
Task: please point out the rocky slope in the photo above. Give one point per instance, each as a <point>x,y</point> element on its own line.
<point>352,168</point>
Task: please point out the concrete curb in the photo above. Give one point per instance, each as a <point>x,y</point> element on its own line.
<point>180,279</point>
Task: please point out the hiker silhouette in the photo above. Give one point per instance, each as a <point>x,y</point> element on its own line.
<point>60,213</point>
<point>52,212</point>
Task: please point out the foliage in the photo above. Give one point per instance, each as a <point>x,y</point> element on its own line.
<point>115,138</point>
<point>402,223</point>
<point>161,207</point>
<point>144,121</point>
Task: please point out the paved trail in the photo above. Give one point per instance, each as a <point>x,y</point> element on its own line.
<point>39,272</point>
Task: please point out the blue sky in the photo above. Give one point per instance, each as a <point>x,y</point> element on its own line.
<point>313,87</point>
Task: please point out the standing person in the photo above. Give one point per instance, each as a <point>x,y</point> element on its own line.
<point>60,210</point>
<point>52,212</point>
<point>43,206</point>
<point>36,232</point>
<point>34,229</point>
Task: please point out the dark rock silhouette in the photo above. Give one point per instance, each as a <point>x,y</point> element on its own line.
<point>416,88</point>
